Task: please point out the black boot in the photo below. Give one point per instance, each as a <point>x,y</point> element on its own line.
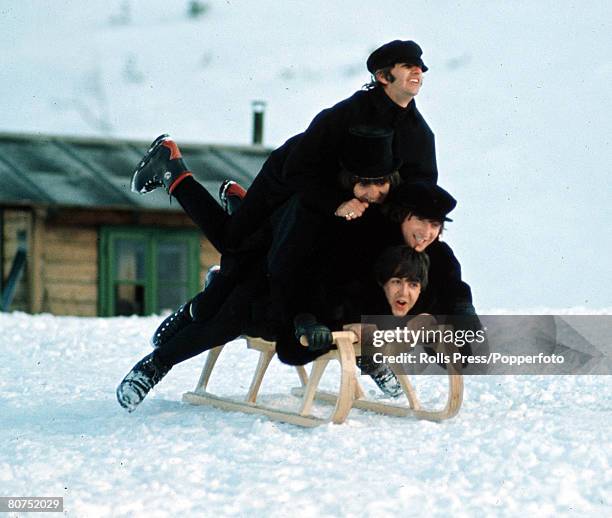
<point>172,325</point>
<point>231,195</point>
<point>161,166</point>
<point>147,373</point>
<point>211,274</point>
<point>383,377</point>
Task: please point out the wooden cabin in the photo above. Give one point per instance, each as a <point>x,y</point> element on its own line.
<point>92,247</point>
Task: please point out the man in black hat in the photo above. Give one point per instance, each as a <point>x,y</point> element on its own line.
<point>314,162</point>
<point>367,171</point>
<point>421,210</point>
<point>309,164</point>
<point>313,159</point>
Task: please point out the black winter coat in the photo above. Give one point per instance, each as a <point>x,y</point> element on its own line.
<point>313,164</point>
<point>308,164</point>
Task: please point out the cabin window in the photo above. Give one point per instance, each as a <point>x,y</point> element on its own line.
<point>147,271</point>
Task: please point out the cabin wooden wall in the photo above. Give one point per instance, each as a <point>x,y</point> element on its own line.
<point>62,271</point>
<point>70,270</point>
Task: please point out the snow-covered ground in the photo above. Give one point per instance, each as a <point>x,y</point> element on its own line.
<point>521,446</point>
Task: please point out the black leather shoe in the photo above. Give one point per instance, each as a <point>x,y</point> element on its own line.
<point>161,166</point>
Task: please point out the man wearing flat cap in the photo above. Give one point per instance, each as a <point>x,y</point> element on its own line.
<point>307,172</point>
<point>313,162</point>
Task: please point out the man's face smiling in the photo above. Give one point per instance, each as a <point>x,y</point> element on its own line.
<point>419,233</point>
<point>402,294</point>
<point>408,82</point>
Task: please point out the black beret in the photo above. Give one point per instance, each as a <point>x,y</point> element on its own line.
<point>424,199</point>
<point>396,51</point>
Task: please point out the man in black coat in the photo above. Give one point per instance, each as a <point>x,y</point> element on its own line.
<point>312,160</point>
<point>308,165</point>
<point>420,210</point>
<point>414,214</point>
<point>230,304</point>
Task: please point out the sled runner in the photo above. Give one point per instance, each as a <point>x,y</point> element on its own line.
<point>349,395</point>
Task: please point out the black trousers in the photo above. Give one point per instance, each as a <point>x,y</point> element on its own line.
<point>220,314</point>
<point>203,210</point>
<point>267,193</point>
<point>225,310</point>
<point>296,232</point>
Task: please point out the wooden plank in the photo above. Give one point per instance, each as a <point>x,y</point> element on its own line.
<point>204,398</point>
<point>318,368</point>
<point>59,252</point>
<point>211,359</point>
<point>71,235</point>
<point>19,218</point>
<point>35,256</point>
<point>265,357</point>
<point>78,292</point>
<point>346,356</point>
<point>80,272</point>
<point>379,407</point>
<point>137,217</point>
<point>68,307</point>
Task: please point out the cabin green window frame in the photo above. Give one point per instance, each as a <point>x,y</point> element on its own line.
<point>156,282</point>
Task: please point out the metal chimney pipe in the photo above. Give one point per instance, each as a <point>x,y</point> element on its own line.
<point>259,107</point>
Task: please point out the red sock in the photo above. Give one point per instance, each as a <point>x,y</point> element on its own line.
<point>179,179</point>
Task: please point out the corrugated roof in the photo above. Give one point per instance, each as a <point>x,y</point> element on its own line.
<point>87,172</point>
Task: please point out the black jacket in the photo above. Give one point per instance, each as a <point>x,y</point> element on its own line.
<point>446,292</point>
<point>313,163</point>
<point>308,164</point>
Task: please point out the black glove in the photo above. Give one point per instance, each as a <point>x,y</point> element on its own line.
<point>319,336</point>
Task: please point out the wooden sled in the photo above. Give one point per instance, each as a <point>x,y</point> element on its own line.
<point>350,394</point>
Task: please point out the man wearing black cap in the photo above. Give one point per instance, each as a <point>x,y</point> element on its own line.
<point>313,158</point>
<point>314,161</point>
<point>421,209</point>
<point>308,166</point>
<point>413,214</point>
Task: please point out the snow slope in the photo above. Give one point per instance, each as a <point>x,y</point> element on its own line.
<point>517,94</point>
<point>525,445</point>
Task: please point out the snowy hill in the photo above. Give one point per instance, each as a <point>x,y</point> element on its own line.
<point>521,445</point>
<point>517,94</point>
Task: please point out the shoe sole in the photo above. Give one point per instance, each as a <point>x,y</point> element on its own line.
<point>155,145</point>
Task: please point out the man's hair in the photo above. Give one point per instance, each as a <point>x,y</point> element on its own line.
<point>348,180</point>
<point>403,262</point>
<point>374,82</point>
<point>398,214</point>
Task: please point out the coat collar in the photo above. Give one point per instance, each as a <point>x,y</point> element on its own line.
<point>387,107</point>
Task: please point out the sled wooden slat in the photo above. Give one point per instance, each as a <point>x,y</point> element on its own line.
<point>450,410</point>
<point>239,406</point>
<point>350,394</point>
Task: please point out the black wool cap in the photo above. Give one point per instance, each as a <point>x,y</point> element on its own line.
<point>424,199</point>
<point>396,51</point>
